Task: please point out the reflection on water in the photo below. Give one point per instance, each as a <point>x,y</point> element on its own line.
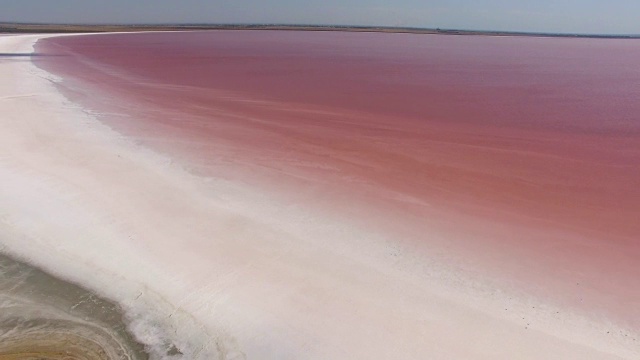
<point>42,317</point>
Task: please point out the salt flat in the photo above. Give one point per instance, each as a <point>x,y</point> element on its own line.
<point>205,268</point>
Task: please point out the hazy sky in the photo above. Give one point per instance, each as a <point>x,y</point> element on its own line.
<point>576,16</point>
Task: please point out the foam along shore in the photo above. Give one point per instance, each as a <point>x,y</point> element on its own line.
<point>203,268</point>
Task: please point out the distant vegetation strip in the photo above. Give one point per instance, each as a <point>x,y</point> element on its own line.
<point>75,28</point>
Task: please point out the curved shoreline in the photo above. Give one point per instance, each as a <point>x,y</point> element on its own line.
<point>41,226</point>
<point>99,210</point>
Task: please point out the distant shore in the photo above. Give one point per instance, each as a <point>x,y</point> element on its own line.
<point>88,28</point>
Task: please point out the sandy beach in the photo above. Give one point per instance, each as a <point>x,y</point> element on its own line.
<point>215,242</point>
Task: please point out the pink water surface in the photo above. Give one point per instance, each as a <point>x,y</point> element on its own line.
<point>526,151</point>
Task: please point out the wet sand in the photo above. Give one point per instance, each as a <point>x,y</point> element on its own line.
<point>42,317</point>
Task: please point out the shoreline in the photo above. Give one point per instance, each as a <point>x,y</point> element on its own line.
<point>95,208</point>
<point>41,227</point>
<point>78,28</point>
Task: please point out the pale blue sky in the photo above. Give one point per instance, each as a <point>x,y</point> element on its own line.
<point>575,16</point>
